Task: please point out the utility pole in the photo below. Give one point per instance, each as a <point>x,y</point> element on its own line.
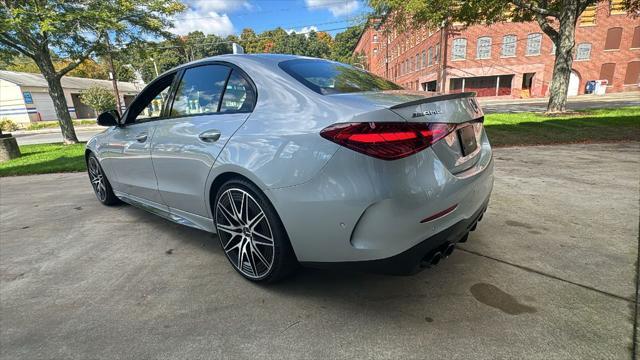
<point>114,77</point>
<point>155,66</point>
<point>444,36</point>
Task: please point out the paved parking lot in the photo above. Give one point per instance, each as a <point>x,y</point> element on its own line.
<point>549,274</point>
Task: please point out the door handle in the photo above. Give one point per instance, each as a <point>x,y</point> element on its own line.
<point>142,137</point>
<point>210,135</point>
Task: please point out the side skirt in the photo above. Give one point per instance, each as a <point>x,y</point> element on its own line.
<point>176,216</point>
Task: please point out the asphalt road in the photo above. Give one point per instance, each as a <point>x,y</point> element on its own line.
<point>576,103</point>
<point>548,274</point>
<point>490,106</point>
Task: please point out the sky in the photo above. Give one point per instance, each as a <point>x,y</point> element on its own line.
<point>225,17</point>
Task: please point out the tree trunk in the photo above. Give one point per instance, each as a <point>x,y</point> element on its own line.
<point>565,45</point>
<point>43,60</point>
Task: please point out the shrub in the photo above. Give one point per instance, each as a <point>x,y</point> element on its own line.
<point>99,99</point>
<point>8,125</point>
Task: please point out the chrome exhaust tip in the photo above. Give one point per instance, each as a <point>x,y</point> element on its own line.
<point>449,250</point>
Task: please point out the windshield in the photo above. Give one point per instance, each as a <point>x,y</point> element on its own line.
<point>330,77</point>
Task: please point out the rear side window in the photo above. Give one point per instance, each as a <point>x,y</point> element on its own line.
<point>238,96</point>
<point>200,90</point>
<point>329,77</point>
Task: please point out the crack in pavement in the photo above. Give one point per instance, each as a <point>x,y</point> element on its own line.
<point>634,346</point>
<point>528,269</point>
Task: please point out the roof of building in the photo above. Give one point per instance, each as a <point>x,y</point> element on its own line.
<point>68,82</point>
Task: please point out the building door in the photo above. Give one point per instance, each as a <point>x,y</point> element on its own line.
<point>44,106</point>
<point>574,84</point>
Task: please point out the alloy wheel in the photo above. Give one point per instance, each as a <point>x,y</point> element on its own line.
<point>245,233</point>
<point>97,179</point>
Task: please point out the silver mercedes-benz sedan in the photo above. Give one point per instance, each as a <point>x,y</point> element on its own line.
<point>294,160</point>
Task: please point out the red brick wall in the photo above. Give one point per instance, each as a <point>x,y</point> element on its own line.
<point>541,65</point>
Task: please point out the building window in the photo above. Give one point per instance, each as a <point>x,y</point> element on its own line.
<point>459,50</point>
<point>606,72</point>
<point>483,48</point>
<point>588,16</point>
<point>635,42</point>
<point>614,36</point>
<point>424,58</point>
<point>509,45</point>
<point>633,73</point>
<point>583,52</point>
<point>534,42</point>
<point>375,38</point>
<point>430,57</point>
<point>553,48</point>
<point>616,7</point>
<point>418,65</point>
<point>375,51</point>
<point>436,56</point>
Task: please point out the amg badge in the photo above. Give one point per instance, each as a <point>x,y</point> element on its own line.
<point>427,113</point>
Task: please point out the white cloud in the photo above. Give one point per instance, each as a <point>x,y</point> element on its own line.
<point>219,5</point>
<point>303,30</point>
<point>209,23</point>
<point>337,8</point>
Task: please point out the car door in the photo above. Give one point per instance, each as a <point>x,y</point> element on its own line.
<point>211,102</point>
<point>130,144</point>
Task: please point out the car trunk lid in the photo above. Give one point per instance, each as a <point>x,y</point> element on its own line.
<point>459,150</point>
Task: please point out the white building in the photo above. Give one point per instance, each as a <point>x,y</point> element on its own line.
<point>24,97</point>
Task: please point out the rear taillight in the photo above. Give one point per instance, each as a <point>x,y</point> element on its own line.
<point>386,140</point>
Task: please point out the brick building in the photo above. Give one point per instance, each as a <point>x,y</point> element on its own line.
<point>506,59</point>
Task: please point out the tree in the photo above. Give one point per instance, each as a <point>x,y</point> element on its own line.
<point>344,44</point>
<point>76,29</point>
<point>99,99</point>
<point>556,18</point>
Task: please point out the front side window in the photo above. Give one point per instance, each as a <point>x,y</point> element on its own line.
<point>509,45</point>
<point>238,95</point>
<point>534,42</point>
<point>483,50</point>
<point>151,102</point>
<point>459,50</point>
<point>424,58</point>
<point>583,52</point>
<point>330,77</point>
<point>430,57</point>
<point>200,90</point>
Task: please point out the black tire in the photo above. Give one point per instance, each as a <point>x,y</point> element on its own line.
<point>99,182</point>
<point>242,243</point>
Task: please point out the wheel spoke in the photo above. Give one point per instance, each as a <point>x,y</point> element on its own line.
<point>256,220</point>
<point>261,257</point>
<point>227,214</point>
<point>237,245</point>
<point>232,203</point>
<point>233,230</point>
<point>270,240</point>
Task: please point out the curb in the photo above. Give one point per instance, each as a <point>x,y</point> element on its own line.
<point>55,130</point>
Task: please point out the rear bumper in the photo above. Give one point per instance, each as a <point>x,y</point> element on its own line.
<point>409,261</point>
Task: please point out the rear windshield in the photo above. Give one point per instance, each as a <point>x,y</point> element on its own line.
<point>329,77</point>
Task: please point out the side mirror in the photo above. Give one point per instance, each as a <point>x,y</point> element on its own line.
<point>109,118</point>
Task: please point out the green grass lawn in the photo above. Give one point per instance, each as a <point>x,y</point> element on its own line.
<point>602,125</point>
<point>44,159</point>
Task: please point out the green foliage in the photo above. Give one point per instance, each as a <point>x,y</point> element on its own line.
<point>8,125</point>
<point>44,159</point>
<point>98,98</point>
<point>344,44</point>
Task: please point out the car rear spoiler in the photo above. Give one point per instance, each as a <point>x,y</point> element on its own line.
<point>449,108</point>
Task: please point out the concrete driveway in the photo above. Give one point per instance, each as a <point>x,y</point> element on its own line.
<point>549,274</point>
